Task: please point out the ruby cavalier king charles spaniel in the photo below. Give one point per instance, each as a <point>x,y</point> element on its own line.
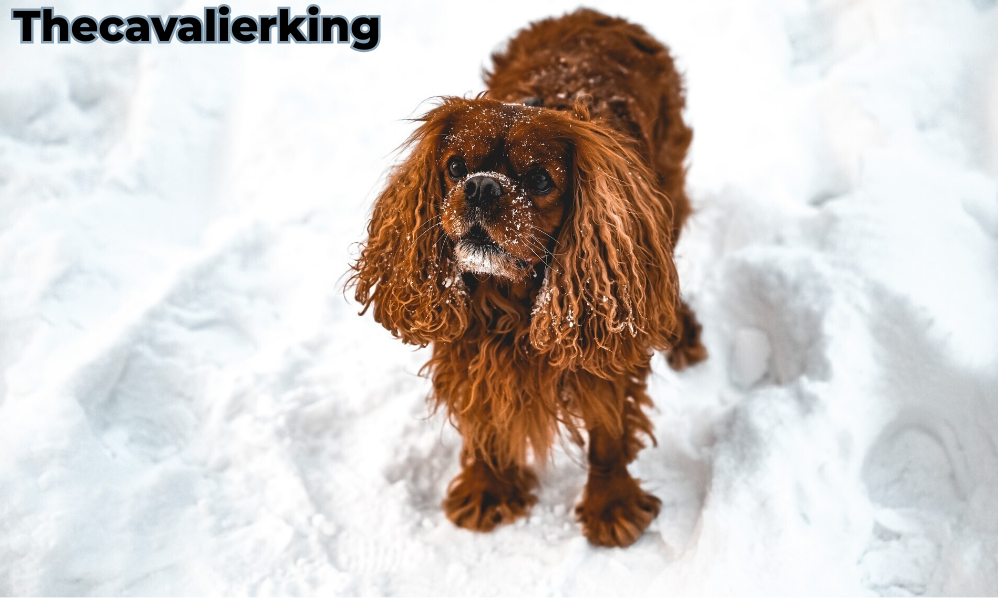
<point>529,238</point>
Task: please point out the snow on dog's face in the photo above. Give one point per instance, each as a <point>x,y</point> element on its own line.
<point>506,173</point>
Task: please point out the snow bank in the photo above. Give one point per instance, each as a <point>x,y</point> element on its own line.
<point>190,406</point>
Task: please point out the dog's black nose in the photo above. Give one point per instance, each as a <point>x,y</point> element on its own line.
<point>482,190</point>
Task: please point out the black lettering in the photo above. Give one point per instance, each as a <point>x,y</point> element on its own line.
<point>343,31</point>
<point>267,23</point>
<point>138,30</point>
<point>365,32</point>
<point>190,30</point>
<point>163,34</point>
<point>105,29</point>
<point>244,29</point>
<point>48,21</point>
<point>84,29</point>
<point>313,23</point>
<point>288,28</point>
<point>27,18</point>
<point>209,24</point>
<point>223,23</point>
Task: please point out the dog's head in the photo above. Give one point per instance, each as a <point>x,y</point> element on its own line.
<point>512,192</point>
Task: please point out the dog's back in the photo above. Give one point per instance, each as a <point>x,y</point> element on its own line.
<point>628,76</point>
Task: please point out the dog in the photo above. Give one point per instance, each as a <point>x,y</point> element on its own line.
<point>529,237</point>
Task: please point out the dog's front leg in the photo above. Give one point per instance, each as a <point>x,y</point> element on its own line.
<point>615,510</point>
<point>485,495</point>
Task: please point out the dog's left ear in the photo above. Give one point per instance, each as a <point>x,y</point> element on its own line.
<point>611,289</point>
<point>404,271</point>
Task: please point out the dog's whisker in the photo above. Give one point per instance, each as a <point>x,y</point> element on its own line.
<point>425,232</point>
<point>542,231</point>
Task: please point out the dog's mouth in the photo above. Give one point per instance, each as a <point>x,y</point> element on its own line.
<point>479,238</point>
<point>477,252</point>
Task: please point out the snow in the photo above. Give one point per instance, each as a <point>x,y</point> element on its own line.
<point>750,356</point>
<point>190,405</point>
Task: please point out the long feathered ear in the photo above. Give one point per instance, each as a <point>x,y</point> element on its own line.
<point>611,287</point>
<point>404,271</point>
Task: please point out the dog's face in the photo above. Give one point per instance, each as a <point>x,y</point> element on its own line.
<point>506,177</point>
<point>508,191</point>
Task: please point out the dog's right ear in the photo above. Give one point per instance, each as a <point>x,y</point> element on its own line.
<point>405,270</point>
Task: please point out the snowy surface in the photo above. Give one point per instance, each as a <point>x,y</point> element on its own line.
<point>188,403</point>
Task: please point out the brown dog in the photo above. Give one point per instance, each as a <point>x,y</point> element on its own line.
<point>529,237</point>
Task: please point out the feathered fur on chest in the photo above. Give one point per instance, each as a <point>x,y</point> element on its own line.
<point>508,400</point>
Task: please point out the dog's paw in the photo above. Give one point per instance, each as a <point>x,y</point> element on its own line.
<point>615,510</point>
<point>479,499</point>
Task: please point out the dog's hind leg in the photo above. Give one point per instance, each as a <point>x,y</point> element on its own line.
<point>688,349</point>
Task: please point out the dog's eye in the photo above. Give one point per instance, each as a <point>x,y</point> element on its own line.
<point>539,182</point>
<point>457,168</point>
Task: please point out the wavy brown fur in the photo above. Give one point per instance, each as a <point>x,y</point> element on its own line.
<point>405,270</point>
<point>563,338</point>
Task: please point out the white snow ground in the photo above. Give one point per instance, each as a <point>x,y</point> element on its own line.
<point>189,405</point>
